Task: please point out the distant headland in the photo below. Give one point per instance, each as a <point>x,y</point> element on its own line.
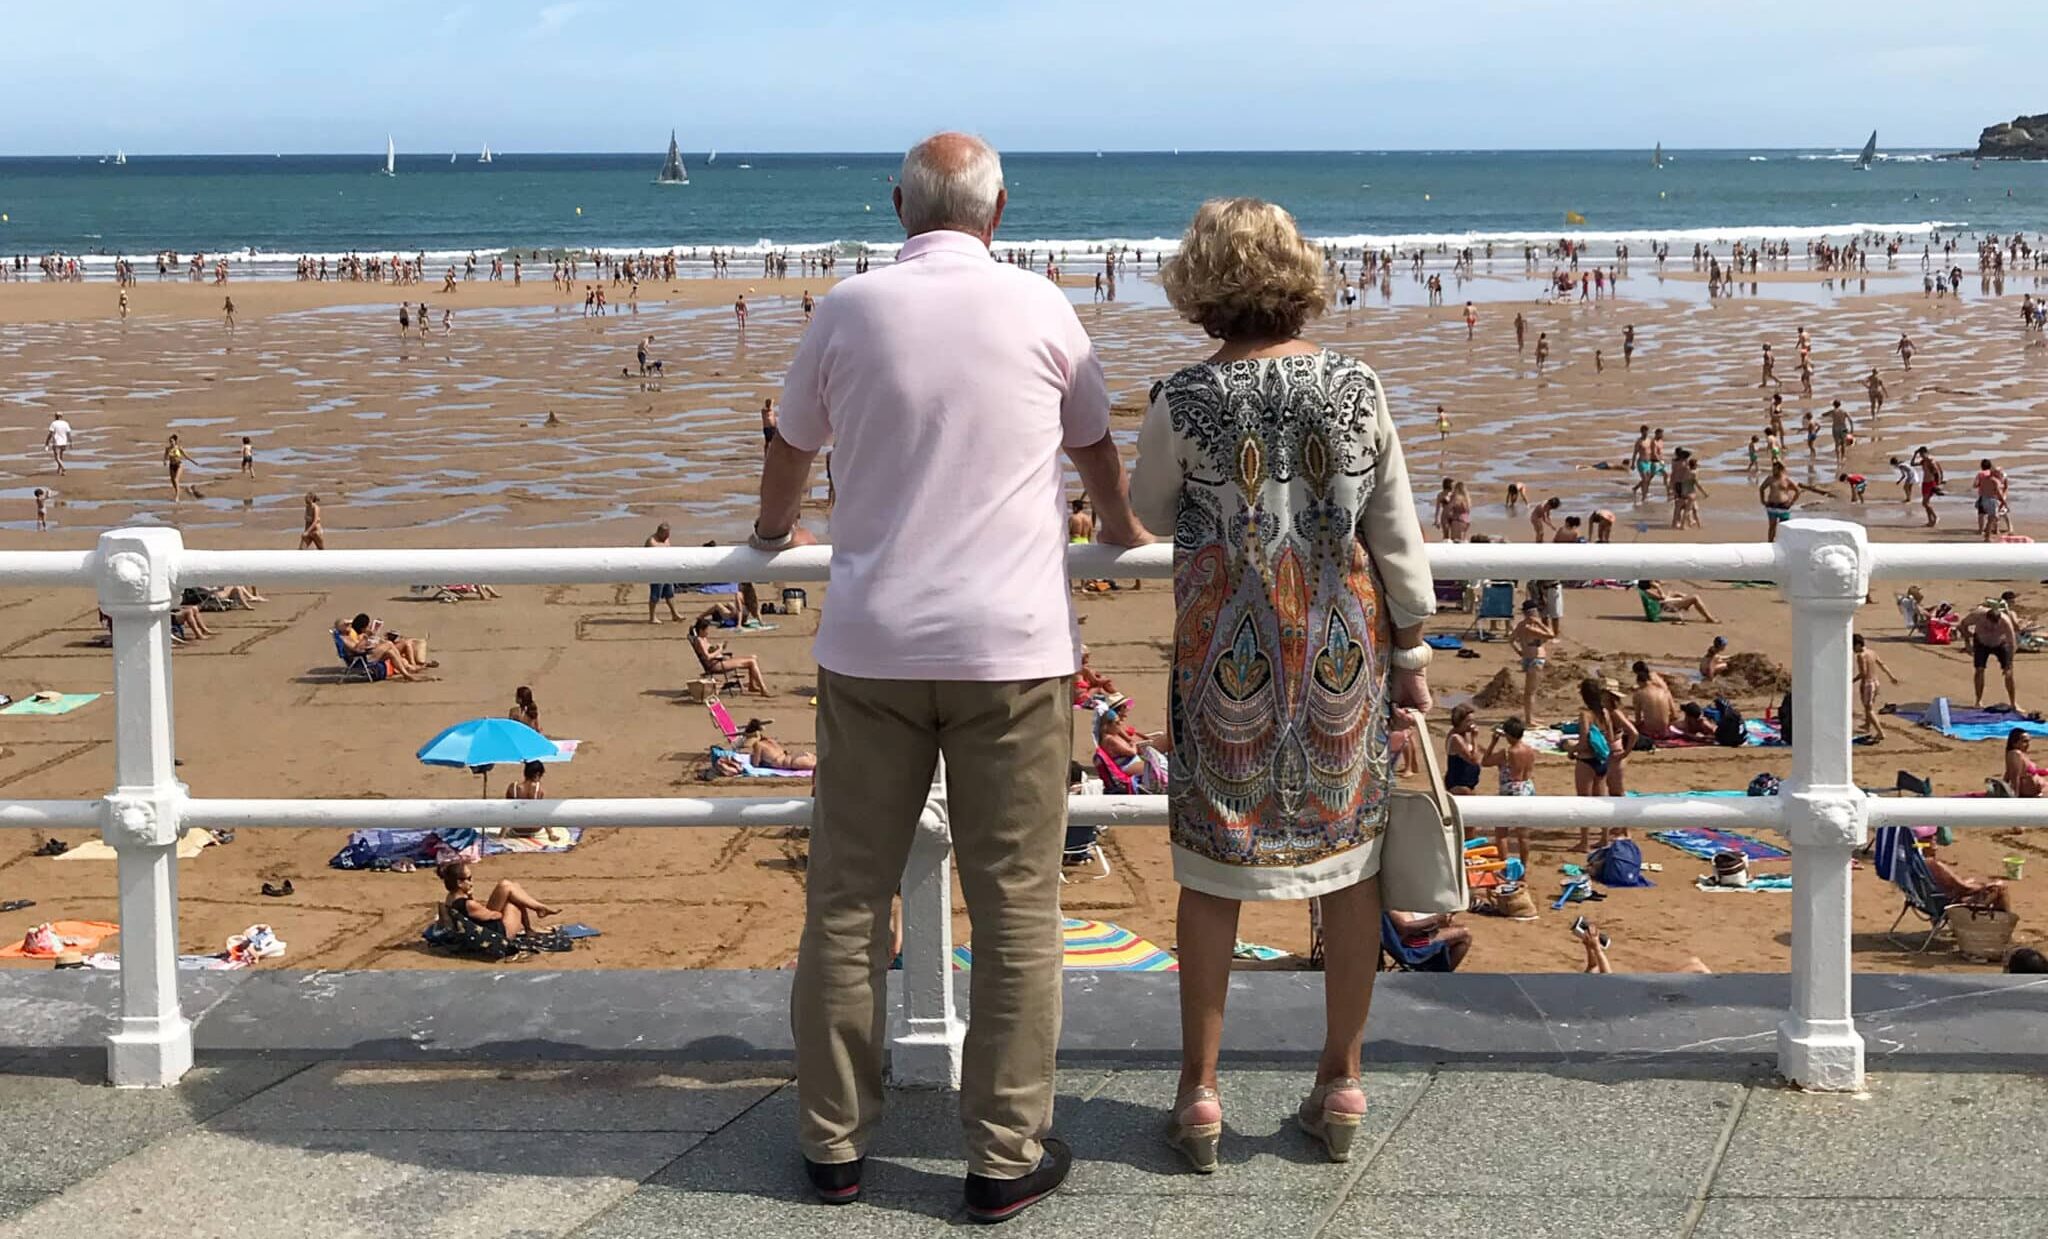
<point>2022,137</point>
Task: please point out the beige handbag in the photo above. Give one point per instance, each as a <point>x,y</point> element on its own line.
<point>1422,856</point>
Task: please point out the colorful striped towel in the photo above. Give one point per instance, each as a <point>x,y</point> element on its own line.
<point>1781,882</point>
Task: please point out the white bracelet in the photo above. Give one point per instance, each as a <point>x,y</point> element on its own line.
<point>1412,658</point>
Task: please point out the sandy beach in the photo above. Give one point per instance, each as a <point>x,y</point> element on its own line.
<point>448,441</point>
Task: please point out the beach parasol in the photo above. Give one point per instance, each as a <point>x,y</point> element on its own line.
<point>482,743</point>
<point>1099,945</point>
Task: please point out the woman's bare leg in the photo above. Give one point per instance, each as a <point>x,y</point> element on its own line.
<point>1207,927</point>
<point>510,894</point>
<point>1351,958</point>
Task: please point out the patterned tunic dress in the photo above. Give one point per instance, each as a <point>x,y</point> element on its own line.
<point>1296,550</point>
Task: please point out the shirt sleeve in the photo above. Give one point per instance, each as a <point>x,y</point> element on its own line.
<point>802,420</point>
<point>1084,412</point>
<point>1392,533</point>
<point>1156,478</point>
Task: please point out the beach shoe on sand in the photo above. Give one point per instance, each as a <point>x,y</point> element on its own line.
<point>1337,1129</point>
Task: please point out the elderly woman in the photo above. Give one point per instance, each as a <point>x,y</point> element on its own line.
<point>1300,588</point>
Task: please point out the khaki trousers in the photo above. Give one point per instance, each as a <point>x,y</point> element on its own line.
<point>1007,746</point>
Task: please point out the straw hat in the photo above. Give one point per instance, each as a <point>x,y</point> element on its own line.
<point>1115,702</point>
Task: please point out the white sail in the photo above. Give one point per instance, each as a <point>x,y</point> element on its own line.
<point>451,156</point>
<point>672,170</point>
<point>711,158</point>
<point>1657,156</point>
<point>120,156</point>
<point>390,156</point>
<point>486,156</point>
<point>1869,152</point>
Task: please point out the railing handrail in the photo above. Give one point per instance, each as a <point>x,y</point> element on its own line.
<point>1823,568</point>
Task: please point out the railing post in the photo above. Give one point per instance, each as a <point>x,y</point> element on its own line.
<point>926,1032</point>
<point>1827,577</point>
<point>152,1042</point>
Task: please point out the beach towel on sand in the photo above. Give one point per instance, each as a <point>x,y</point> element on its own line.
<point>62,703</point>
<point>71,935</point>
<point>1780,882</point>
<point>1703,843</point>
<point>190,844</point>
<point>749,770</point>
<point>1954,721</point>
<point>377,849</point>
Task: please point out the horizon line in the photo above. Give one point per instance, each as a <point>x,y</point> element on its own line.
<point>1912,148</point>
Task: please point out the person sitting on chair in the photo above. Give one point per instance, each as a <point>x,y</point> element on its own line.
<point>374,642</point>
<point>1982,893</point>
<point>718,661</point>
<point>1674,604</point>
<point>1445,944</point>
<point>766,751</point>
<point>1136,753</point>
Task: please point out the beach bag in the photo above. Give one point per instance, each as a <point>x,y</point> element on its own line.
<point>1728,730</point>
<point>1619,863</point>
<point>1764,784</point>
<point>1731,869</point>
<point>1422,852</point>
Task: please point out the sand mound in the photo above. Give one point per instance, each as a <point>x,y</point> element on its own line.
<point>1503,689</point>
<point>1752,673</point>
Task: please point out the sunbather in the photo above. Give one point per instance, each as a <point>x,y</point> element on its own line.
<point>395,663</point>
<point>1451,942</point>
<point>716,659</point>
<point>1969,892</point>
<point>1090,684</point>
<point>2021,774</point>
<point>1135,752</point>
<point>765,750</point>
<point>1676,604</point>
<point>374,642</point>
<point>508,911</point>
<point>524,708</point>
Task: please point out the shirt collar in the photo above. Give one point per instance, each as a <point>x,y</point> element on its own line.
<point>942,241</point>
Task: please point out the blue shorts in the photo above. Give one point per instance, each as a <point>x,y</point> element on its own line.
<point>660,593</point>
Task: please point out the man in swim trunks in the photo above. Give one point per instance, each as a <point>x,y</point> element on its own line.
<point>1531,638</point>
<point>1841,428</point>
<point>664,591</point>
<point>1991,486</point>
<point>1778,494</point>
<point>1991,633</point>
<point>1628,347</point>
<point>1656,709</point>
<point>1640,464</point>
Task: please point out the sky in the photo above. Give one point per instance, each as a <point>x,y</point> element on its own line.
<point>260,76</point>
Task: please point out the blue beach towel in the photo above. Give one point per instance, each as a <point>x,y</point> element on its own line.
<point>1703,843</point>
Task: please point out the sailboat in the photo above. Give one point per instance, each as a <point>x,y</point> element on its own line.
<point>711,158</point>
<point>1869,153</point>
<point>390,156</point>
<point>486,156</point>
<point>673,172</point>
<point>120,156</point>
<point>451,156</point>
<point>1657,156</point>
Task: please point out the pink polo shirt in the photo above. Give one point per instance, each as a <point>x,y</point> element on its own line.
<point>948,384</point>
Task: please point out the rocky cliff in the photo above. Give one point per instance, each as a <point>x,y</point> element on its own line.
<point>2023,137</point>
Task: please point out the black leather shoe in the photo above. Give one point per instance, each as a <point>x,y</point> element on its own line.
<point>836,1183</point>
<point>999,1200</point>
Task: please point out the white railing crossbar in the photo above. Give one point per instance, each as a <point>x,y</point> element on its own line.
<point>1824,569</point>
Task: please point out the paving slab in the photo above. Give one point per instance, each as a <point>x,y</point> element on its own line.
<point>1119,1134</point>
<point>62,1122</point>
<point>1983,1131</point>
<point>1413,1215</point>
<point>540,1096</point>
<point>1576,1131</point>
<point>221,1185</point>
<point>1871,1219</point>
<point>658,1212</point>
<point>13,1201</point>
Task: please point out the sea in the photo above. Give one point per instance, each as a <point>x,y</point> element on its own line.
<point>263,212</point>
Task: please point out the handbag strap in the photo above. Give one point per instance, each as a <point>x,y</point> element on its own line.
<point>1431,769</point>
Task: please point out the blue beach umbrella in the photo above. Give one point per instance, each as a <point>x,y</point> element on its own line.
<point>482,743</point>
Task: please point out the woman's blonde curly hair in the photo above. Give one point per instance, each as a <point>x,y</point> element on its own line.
<point>1244,272</point>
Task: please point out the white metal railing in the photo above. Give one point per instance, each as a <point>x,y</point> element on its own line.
<point>1824,569</point>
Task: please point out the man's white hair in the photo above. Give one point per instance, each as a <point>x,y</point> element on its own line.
<point>950,180</point>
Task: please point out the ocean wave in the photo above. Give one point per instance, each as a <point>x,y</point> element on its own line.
<point>695,255</point>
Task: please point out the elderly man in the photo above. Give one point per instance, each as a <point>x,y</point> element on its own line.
<point>948,385</point>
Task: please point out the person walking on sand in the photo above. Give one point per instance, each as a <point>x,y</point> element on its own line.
<point>1904,348</point>
<point>739,310</point>
<point>1841,428</point>
<point>174,460</point>
<point>1628,347</point>
<point>1471,322</point>
<point>1931,478</point>
<point>124,304</point>
<point>1521,331</point>
<point>988,371</point>
<point>1778,493</point>
<point>664,591</point>
<point>1254,821</point>
<point>1868,667</point>
<point>58,440</point>
<point>1874,385</point>
<point>228,312</point>
<point>312,537</point>
<point>1770,375</point>
<point>1990,484</point>
<point>1542,350</point>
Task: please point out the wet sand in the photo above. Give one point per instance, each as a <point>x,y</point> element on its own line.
<point>445,442</point>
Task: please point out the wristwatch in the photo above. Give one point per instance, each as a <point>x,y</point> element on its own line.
<point>780,542</point>
<point>1412,658</point>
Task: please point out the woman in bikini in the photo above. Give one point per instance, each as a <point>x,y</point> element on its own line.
<point>523,708</point>
<point>1458,513</point>
<point>1605,735</point>
<point>313,536</point>
<point>174,460</point>
<point>717,660</point>
<point>507,912</point>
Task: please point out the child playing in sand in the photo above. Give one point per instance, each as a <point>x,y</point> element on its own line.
<point>1443,425</point>
<point>1517,766</point>
<point>313,535</point>
<point>1518,494</point>
<point>1715,660</point>
<point>1868,665</point>
<point>1753,441</point>
<point>248,458</point>
<point>1857,482</point>
<point>42,509</point>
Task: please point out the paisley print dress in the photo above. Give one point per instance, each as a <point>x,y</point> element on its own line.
<point>1297,550</point>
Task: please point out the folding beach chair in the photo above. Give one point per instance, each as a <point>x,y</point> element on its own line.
<point>355,664</point>
<point>1910,613</point>
<point>723,719</point>
<point>1114,781</point>
<point>1429,957</point>
<point>1083,850</point>
<point>1899,862</point>
<point>1653,610</point>
<point>1496,608</point>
